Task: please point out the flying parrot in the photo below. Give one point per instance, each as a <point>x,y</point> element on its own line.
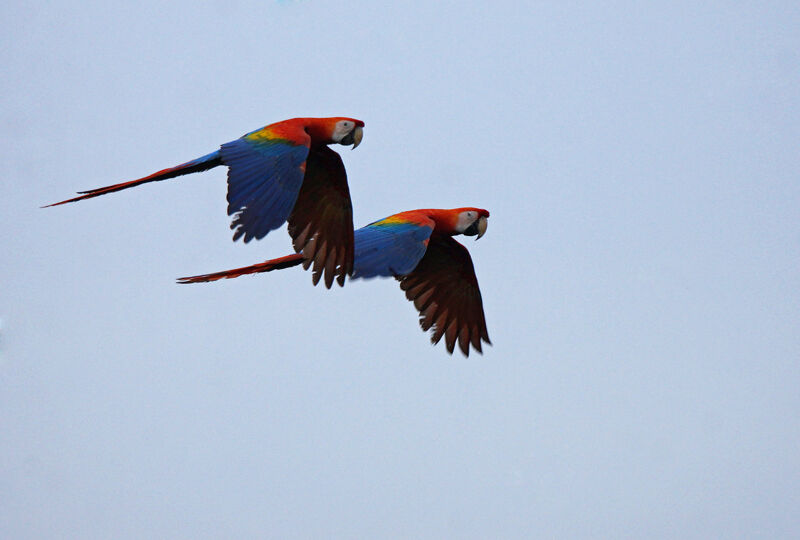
<point>284,172</point>
<point>435,271</point>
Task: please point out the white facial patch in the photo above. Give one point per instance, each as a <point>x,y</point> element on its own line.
<point>465,219</point>
<point>343,127</point>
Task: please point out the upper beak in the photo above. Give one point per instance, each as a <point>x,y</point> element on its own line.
<point>483,223</point>
<point>358,134</point>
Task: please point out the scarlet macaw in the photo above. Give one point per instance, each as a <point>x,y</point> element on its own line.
<point>418,249</point>
<point>284,171</point>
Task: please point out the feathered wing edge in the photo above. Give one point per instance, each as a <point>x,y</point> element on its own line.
<point>445,291</point>
<point>321,223</point>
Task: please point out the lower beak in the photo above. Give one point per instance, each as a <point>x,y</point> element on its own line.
<point>358,134</point>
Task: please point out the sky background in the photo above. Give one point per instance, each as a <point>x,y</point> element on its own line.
<point>640,274</point>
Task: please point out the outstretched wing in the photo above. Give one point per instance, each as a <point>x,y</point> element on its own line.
<point>266,169</point>
<point>321,224</point>
<point>445,291</point>
<point>391,246</point>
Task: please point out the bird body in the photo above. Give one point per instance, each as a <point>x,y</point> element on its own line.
<point>417,248</point>
<point>283,172</point>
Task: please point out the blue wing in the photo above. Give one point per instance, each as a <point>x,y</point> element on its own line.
<point>389,248</point>
<point>264,179</point>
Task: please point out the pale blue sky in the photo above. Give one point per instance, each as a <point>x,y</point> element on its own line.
<point>640,274</point>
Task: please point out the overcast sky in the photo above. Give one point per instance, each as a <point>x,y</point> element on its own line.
<point>640,274</point>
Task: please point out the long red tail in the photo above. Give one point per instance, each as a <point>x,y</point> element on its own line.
<point>196,165</point>
<point>267,266</point>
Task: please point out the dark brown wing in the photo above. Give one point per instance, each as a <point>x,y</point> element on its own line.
<point>445,291</point>
<point>321,224</point>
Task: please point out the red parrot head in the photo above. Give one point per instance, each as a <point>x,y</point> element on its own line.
<point>472,221</point>
<point>347,131</point>
<point>335,130</point>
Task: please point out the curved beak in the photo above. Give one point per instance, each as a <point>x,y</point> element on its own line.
<point>477,228</point>
<point>483,223</point>
<point>358,134</point>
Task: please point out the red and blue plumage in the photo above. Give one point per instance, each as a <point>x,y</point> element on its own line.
<point>283,172</point>
<point>435,271</point>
